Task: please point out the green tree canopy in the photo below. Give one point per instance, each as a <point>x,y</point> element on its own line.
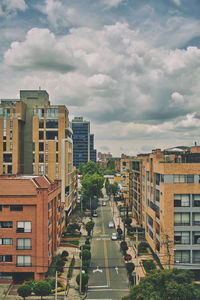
<point>172,284</point>
<point>89,226</point>
<point>89,168</point>
<point>91,187</point>
<point>42,288</point>
<point>24,291</point>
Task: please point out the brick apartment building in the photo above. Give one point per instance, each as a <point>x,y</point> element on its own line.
<point>30,225</point>
<point>36,138</point>
<point>166,202</point>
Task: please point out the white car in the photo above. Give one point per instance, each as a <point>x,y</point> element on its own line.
<point>104,203</point>
<point>111,224</point>
<point>114,236</point>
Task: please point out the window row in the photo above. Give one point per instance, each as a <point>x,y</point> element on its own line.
<point>183,237</point>
<point>50,112</point>
<point>184,256</point>
<point>42,157</point>
<point>183,219</point>
<point>22,244</point>
<point>23,227</point>
<point>183,200</point>
<point>22,260</point>
<point>12,207</point>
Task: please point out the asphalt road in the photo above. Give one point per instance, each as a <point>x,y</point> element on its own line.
<point>107,275</point>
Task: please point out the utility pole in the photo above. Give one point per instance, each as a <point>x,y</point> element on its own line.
<point>56,287</point>
<point>166,243</point>
<point>80,285</point>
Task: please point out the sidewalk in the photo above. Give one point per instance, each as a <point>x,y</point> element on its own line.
<point>131,247</point>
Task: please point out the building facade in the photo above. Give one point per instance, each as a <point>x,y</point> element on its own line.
<point>83,142</point>
<point>41,140</point>
<point>170,200</point>
<point>30,226</point>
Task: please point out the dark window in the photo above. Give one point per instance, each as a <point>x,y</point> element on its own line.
<point>41,135</point>
<point>5,258</point>
<point>56,157</point>
<point>9,169</point>
<point>33,157</point>
<point>56,146</point>
<point>196,237</point>
<point>181,200</point>
<point>66,190</point>
<point>51,123</point>
<point>41,123</point>
<point>41,157</point>
<point>51,135</point>
<point>41,146</point>
<point>16,207</point>
<point>181,237</point>
<point>0,207</point>
<point>196,200</point>
<point>7,158</point>
<point>4,146</point>
<point>6,224</point>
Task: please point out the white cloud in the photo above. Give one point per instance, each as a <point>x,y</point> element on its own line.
<point>12,6</point>
<point>177,2</point>
<point>111,3</point>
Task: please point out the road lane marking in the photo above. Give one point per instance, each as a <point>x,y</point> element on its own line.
<point>105,253</point>
<point>97,286</point>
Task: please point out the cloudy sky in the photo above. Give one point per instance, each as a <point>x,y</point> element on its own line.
<point>131,67</point>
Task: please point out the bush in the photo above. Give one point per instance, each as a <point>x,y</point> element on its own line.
<point>52,282</point>
<point>89,226</point>
<point>70,271</point>
<point>86,247</point>
<point>130,267</point>
<point>128,221</point>
<point>42,288</point>
<point>148,265</point>
<point>65,254</point>
<point>86,263</point>
<point>142,247</point>
<point>24,291</point>
<point>85,278</point>
<point>86,254</point>
<point>56,265</point>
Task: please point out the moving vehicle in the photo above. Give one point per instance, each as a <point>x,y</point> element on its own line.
<point>95,214</point>
<point>111,224</point>
<point>104,203</point>
<point>114,236</point>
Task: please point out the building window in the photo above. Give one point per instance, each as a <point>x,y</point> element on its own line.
<point>41,135</point>
<point>157,195</point>
<point>56,146</point>
<point>0,207</point>
<point>181,219</point>
<point>9,169</point>
<point>49,221</point>
<point>196,237</point>
<point>196,218</point>
<point>4,169</point>
<point>41,112</point>
<point>196,200</point>
<point>23,244</point>
<point>41,123</point>
<point>4,123</point>
<point>51,135</point>
<point>57,157</point>
<point>57,170</point>
<point>6,224</point>
<point>46,157</point>
<point>181,237</point>
<point>147,175</point>
<point>41,169</point>
<point>16,207</point>
<point>5,258</point>
<point>183,178</point>
<point>11,123</point>
<point>52,112</point>
<point>181,200</point>
<point>46,146</point>
<point>33,146</point>
<point>41,157</point>
<point>7,158</point>
<point>182,256</point>
<point>5,275</point>
<point>46,169</point>
<point>11,135</point>
<point>23,227</point>
<point>4,146</point>
<point>41,146</point>
<point>34,111</point>
<point>10,145</point>
<point>33,169</point>
<point>49,205</point>
<point>51,123</point>
<point>33,157</point>
<point>6,241</point>
<point>196,256</point>
<point>23,260</point>
<point>6,112</point>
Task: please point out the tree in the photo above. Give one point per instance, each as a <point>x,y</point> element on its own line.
<point>24,291</point>
<point>85,278</point>
<point>114,189</point>
<point>86,254</point>
<point>89,168</point>
<point>173,284</point>
<point>42,288</point>
<point>91,188</point>
<point>89,226</point>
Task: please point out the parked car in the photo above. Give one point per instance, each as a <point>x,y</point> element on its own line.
<point>95,214</point>
<point>104,203</point>
<point>114,236</point>
<point>111,224</point>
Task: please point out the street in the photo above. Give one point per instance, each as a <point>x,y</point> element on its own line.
<point>107,275</point>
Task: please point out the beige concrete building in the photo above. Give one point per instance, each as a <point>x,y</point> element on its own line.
<point>36,138</point>
<point>170,199</point>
